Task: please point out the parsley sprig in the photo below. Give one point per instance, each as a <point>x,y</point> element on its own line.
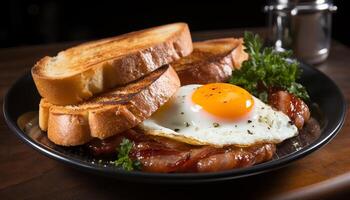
<point>123,156</point>
<point>267,68</point>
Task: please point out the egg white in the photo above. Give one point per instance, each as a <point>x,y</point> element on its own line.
<point>180,119</point>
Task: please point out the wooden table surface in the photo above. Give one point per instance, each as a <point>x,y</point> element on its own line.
<point>25,173</point>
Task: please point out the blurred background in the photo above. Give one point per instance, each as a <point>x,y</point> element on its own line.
<point>40,22</point>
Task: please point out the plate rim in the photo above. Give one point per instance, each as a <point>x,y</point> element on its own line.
<point>139,176</point>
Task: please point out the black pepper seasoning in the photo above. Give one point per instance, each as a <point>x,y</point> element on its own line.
<point>216,124</point>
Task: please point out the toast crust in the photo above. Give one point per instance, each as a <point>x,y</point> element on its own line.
<point>79,73</point>
<point>211,61</point>
<point>109,113</point>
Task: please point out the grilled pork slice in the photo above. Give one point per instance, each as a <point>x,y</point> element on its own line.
<point>211,61</point>
<point>159,154</point>
<point>81,72</point>
<point>109,113</point>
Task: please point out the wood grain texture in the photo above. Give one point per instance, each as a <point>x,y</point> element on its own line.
<point>24,173</point>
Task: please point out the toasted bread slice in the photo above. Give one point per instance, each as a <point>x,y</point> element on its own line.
<point>211,61</point>
<point>109,113</point>
<point>94,67</point>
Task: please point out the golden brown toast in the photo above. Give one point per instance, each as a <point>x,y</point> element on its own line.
<point>211,61</point>
<point>80,72</point>
<point>109,113</point>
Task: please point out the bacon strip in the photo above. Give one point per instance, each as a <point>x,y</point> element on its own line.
<point>158,154</point>
<point>295,108</point>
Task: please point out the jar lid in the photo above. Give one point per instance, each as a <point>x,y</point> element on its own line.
<point>296,2</point>
<point>300,5</point>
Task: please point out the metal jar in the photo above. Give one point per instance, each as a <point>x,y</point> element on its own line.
<point>301,25</point>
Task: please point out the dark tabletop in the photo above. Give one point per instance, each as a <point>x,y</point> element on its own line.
<point>26,174</point>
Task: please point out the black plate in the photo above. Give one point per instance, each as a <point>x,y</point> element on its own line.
<point>329,112</point>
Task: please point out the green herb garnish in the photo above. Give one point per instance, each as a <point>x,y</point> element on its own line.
<point>123,156</point>
<point>267,68</point>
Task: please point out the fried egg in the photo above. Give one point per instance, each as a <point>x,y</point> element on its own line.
<point>219,114</point>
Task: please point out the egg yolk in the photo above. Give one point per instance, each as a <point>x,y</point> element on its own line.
<point>223,100</point>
